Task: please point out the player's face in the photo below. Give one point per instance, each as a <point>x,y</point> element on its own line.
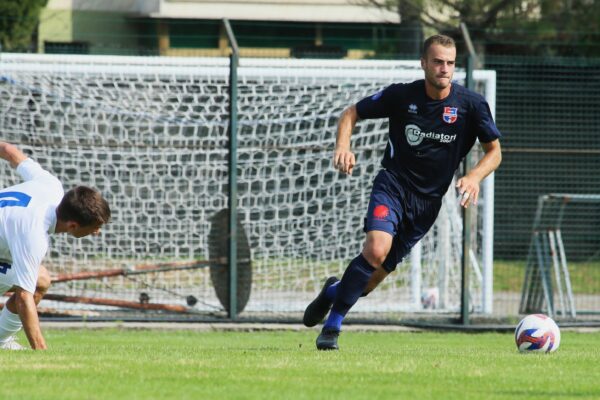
<point>82,231</point>
<point>439,65</point>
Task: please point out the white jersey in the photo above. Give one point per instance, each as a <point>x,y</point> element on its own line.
<point>27,217</point>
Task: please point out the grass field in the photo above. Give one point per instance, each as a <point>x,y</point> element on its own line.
<point>145,364</point>
<point>509,275</point>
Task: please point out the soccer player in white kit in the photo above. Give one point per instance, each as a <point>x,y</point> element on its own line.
<point>29,213</point>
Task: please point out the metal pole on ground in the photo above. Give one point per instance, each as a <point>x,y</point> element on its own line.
<point>232,169</point>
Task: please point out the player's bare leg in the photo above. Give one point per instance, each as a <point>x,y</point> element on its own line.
<point>10,322</point>
<point>378,276</point>
<point>375,251</point>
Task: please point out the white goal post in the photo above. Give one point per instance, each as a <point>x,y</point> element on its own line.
<point>151,134</point>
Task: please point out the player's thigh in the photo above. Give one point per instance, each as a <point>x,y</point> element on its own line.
<point>383,218</point>
<point>416,227</point>
<point>415,224</point>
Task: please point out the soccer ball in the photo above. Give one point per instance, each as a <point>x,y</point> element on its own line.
<point>537,333</point>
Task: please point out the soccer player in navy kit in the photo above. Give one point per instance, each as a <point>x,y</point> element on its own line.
<point>433,123</point>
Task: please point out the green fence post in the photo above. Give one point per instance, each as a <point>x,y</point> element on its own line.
<point>232,169</point>
<point>467,214</point>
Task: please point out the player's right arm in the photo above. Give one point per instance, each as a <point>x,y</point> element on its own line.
<point>375,106</point>
<point>27,311</point>
<point>344,159</point>
<point>12,154</point>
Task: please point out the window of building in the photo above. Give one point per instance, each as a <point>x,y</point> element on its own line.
<point>66,47</point>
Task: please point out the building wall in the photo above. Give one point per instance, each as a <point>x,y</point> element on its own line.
<point>80,26</point>
<point>98,32</point>
<point>55,26</point>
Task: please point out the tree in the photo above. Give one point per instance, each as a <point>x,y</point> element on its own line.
<point>543,27</point>
<point>444,16</point>
<point>18,21</point>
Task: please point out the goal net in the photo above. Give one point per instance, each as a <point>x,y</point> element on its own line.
<point>151,134</point>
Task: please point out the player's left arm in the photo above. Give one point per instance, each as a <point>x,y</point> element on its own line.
<point>27,311</point>
<point>468,185</point>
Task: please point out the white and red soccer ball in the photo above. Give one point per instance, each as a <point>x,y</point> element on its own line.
<point>537,333</point>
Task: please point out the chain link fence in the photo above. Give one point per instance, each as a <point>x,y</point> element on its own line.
<point>546,108</point>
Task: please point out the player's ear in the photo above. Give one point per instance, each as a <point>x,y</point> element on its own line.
<point>72,225</point>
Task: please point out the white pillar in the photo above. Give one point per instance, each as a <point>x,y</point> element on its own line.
<point>415,275</point>
<point>487,287</point>
<point>443,258</point>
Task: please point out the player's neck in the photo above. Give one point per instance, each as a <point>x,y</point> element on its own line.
<point>60,227</point>
<point>435,93</point>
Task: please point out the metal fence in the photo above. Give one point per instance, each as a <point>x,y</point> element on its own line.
<point>547,110</point>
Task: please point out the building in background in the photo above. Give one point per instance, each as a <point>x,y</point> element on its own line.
<point>283,28</point>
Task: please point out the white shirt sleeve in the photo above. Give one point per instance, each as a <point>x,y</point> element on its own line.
<point>29,170</point>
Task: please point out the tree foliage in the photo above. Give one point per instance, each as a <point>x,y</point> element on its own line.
<point>545,27</point>
<point>18,21</point>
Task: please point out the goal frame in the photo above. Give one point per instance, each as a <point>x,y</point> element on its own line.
<point>302,69</point>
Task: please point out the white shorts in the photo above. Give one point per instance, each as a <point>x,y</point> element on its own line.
<point>8,277</point>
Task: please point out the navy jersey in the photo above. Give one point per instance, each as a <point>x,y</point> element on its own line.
<point>428,138</point>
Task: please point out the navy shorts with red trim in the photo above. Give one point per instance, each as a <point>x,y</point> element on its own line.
<point>403,214</point>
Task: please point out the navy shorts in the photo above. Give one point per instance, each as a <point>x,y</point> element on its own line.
<point>403,214</point>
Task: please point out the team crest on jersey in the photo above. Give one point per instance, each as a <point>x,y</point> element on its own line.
<point>412,109</point>
<point>450,115</point>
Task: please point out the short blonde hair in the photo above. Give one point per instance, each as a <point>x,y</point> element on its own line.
<point>443,40</point>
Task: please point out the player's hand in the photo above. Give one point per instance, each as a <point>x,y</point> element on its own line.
<point>468,189</point>
<point>344,161</point>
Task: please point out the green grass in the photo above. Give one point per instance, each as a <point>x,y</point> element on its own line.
<point>116,364</point>
<point>509,275</point>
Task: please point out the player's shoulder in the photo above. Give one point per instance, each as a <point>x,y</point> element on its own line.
<point>408,86</point>
<point>468,95</point>
<point>31,170</point>
<point>470,100</point>
<point>405,89</point>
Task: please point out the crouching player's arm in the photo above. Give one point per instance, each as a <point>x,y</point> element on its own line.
<point>11,154</point>
<point>27,311</point>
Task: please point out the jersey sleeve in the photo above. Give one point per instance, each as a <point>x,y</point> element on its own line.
<point>377,105</point>
<point>483,122</point>
<point>30,170</point>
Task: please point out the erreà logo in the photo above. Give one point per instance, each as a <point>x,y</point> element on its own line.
<point>415,136</point>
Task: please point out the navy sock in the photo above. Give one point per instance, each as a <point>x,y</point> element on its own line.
<point>350,288</point>
<point>332,290</point>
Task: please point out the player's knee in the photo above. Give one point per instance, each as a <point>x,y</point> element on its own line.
<point>44,281</point>
<point>375,254</point>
